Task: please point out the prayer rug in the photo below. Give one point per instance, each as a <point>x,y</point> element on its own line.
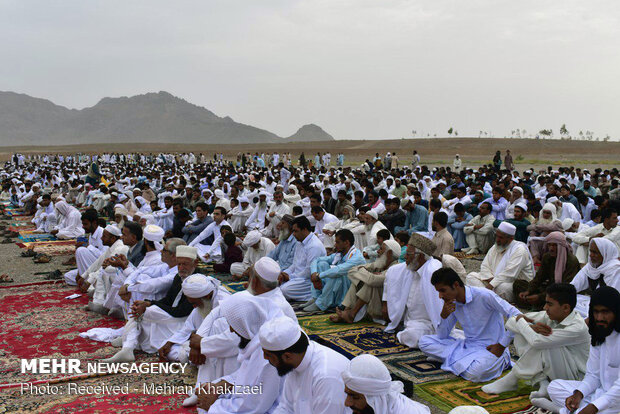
<point>320,324</point>
<point>38,322</point>
<point>369,340</point>
<point>53,248</point>
<point>27,237</point>
<point>234,287</point>
<point>20,226</point>
<point>413,367</point>
<point>461,255</point>
<point>23,218</point>
<point>452,393</point>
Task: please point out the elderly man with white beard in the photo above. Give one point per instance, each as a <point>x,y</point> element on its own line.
<point>371,228</point>
<point>564,210</point>
<point>284,252</point>
<point>204,293</point>
<point>409,296</point>
<point>546,223</point>
<point>370,389</point>
<point>152,321</point>
<point>245,315</point>
<point>257,246</point>
<point>256,221</point>
<point>276,210</point>
<point>506,267</point>
<point>240,214</point>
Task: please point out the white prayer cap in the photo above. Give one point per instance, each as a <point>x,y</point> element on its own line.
<point>279,334</point>
<point>372,213</point>
<point>367,375</point>
<point>519,189</point>
<point>252,238</point>
<point>469,409</point>
<point>394,247</point>
<point>219,193</point>
<point>507,228</point>
<point>199,285</point>
<point>245,313</point>
<point>187,251</point>
<point>263,193</point>
<point>267,268</point>
<point>113,230</point>
<point>553,199</point>
<point>155,234</point>
<point>567,223</point>
<point>243,200</point>
<point>122,197</point>
<point>522,206</point>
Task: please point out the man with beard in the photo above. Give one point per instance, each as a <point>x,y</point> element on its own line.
<point>483,354</point>
<point>276,210</point>
<point>372,227</point>
<point>416,219</point>
<point>256,221</point>
<point>204,293</point>
<point>256,246</point>
<point>85,255</point>
<point>506,262</point>
<point>152,321</point>
<point>547,223</point>
<point>322,218</point>
<point>564,210</point>
<point>370,389</point>
<point>479,232</point>
<point>599,391</point>
<point>602,269</point>
<point>240,214</point>
<point>313,381</point>
<point>245,316</point>
<point>609,221</point>
<point>408,295</point>
<point>285,249</point>
<point>552,344</point>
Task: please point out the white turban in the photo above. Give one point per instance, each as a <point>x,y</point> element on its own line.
<point>252,238</point>
<point>507,228</point>
<point>199,286</point>
<point>246,314</point>
<point>267,269</point>
<point>187,251</point>
<point>154,234</point>
<point>243,200</point>
<point>367,375</point>
<point>519,189</point>
<point>219,193</point>
<point>279,334</point>
<point>552,209</point>
<point>394,247</point>
<point>373,214</point>
<point>567,223</point>
<point>552,199</point>
<point>113,230</point>
<point>522,206</point>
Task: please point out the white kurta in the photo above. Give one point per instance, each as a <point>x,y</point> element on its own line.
<point>251,256</point>
<point>582,240</point>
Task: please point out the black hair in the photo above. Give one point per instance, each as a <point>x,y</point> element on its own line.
<point>297,210</point>
<point>435,203</point>
<point>90,215</point>
<point>221,209</point>
<point>446,276</point>
<point>384,234</point>
<point>135,229</point>
<point>302,223</point>
<point>403,236</point>
<point>607,213</point>
<point>298,347</point>
<point>315,197</point>
<point>441,218</point>
<point>564,293</point>
<point>202,205</point>
<point>346,235</point>
<point>458,208</point>
<point>316,209</point>
<point>230,239</point>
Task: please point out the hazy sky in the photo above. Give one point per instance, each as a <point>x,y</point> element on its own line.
<point>359,68</point>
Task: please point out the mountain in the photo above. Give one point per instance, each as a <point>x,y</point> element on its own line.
<point>152,117</point>
<point>310,132</point>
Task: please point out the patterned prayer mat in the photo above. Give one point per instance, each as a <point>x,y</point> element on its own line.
<point>413,368</point>
<point>53,248</point>
<point>451,393</point>
<point>461,255</point>
<point>320,324</point>
<point>38,322</point>
<point>368,340</point>
<point>23,218</point>
<point>20,226</point>
<point>27,236</point>
<point>234,287</point>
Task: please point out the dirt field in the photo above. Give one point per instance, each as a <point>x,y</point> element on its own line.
<point>474,151</point>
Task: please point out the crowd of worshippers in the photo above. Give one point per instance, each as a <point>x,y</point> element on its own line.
<point>376,244</point>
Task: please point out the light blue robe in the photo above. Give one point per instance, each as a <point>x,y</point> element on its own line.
<point>482,319</point>
<point>333,270</point>
<point>284,253</point>
<point>456,230</point>
<point>417,220</point>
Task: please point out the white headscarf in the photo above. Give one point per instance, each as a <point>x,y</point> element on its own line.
<point>610,265</point>
<point>554,213</point>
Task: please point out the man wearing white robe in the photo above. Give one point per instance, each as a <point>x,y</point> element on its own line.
<point>565,210</point>
<point>256,247</point>
<point>245,315</point>
<point>599,391</point>
<point>609,221</point>
<point>552,344</point>
<point>312,372</point>
<point>409,295</point>
<point>368,383</point>
<point>483,354</point>
<point>322,218</point>
<point>87,255</point>
<point>256,221</point>
<point>45,217</point>
<point>479,232</point>
<point>240,214</point>
<point>211,232</point>
<point>505,263</point>
<point>204,293</point>
<point>69,221</point>
<point>152,322</point>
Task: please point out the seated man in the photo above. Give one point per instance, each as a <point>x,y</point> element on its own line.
<point>416,219</point>
<point>301,361</point>
<point>552,344</point>
<point>442,238</point>
<point>295,280</point>
<point>194,227</point>
<point>547,222</point>
<point>408,295</point>
<point>519,221</point>
<point>483,355</point>
<point>69,221</point>
<point>256,221</point>
<point>369,388</point>
<point>45,217</point>
<point>456,224</point>
<point>366,290</point>
<point>609,221</point>
<point>152,322</point>
<point>285,249</point>
<point>204,293</point>
<point>240,214</point>
<point>602,269</point>
<point>277,209</point>
<point>132,234</point>
<point>559,265</point>
<point>210,234</point>
<point>393,216</point>
<point>233,254</point>
<point>598,392</point>
<point>479,232</point>
<point>370,252</point>
<point>86,255</point>
<point>507,268</point>
<point>322,218</point>
<point>329,273</point>
<point>256,246</point>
